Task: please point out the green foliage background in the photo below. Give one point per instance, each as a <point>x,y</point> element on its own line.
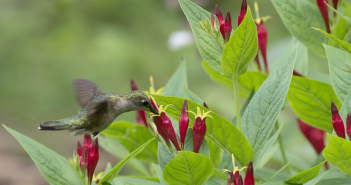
<point>44,45</point>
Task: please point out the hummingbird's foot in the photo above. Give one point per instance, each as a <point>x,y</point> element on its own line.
<point>95,134</point>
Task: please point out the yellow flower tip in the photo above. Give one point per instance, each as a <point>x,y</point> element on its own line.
<point>198,113</point>
<point>225,170</point>
<point>159,91</point>
<point>160,110</point>
<point>151,81</point>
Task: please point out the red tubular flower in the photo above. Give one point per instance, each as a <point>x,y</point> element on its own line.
<point>262,42</point>
<point>183,124</point>
<point>249,177</point>
<point>348,126</point>
<point>313,135</point>
<point>240,180</point>
<point>323,8</point>
<point>89,155</point>
<point>165,127</point>
<point>140,114</point>
<point>242,12</point>
<point>225,26</point>
<point>199,128</point>
<point>338,124</point>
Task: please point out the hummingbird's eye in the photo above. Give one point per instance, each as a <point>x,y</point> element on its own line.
<point>145,103</point>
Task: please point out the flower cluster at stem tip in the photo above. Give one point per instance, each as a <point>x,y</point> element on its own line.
<point>235,177</point>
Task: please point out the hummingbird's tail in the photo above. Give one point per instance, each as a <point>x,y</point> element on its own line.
<point>55,125</point>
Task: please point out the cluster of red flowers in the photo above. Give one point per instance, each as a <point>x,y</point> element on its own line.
<point>323,8</point>
<point>235,177</point>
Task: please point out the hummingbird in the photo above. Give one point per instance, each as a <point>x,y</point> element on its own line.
<point>99,109</point>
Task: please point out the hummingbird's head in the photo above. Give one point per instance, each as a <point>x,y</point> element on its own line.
<point>141,101</point>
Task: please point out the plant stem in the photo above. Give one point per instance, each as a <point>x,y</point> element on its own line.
<point>236,99</point>
<point>281,146</point>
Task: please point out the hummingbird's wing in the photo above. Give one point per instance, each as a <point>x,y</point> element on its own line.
<point>85,91</point>
<point>96,108</point>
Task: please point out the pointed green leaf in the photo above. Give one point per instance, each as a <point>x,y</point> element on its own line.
<point>310,100</point>
<point>342,29</point>
<point>262,111</point>
<point>210,50</point>
<point>219,130</point>
<point>131,137</point>
<point>241,48</point>
<point>267,147</point>
<point>159,173</point>
<point>340,70</point>
<point>341,43</point>
<point>116,169</point>
<point>188,168</point>
<point>54,168</point>
<point>281,169</point>
<point>248,81</point>
<point>178,79</point>
<point>338,152</point>
<point>297,17</point>
<point>114,147</point>
<point>320,177</point>
<point>305,176</point>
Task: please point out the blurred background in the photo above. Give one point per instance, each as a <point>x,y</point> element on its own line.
<point>44,45</point>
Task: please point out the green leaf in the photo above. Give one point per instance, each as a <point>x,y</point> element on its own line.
<point>339,13</point>
<point>338,152</point>
<point>267,147</point>
<point>281,169</point>
<point>219,130</point>
<point>248,81</point>
<point>341,43</point>
<point>262,111</point>
<point>191,96</point>
<point>320,177</point>
<point>116,169</point>
<point>159,173</point>
<point>215,181</point>
<point>132,181</point>
<point>241,48</point>
<point>342,29</point>
<point>114,147</point>
<point>188,168</point>
<point>297,17</point>
<point>346,109</point>
<point>310,100</point>
<point>178,79</point>
<point>54,168</point>
<point>306,175</point>
<point>243,108</point>
<point>340,70</point>
<point>334,181</point>
<point>131,137</point>
<point>216,153</point>
<point>163,155</point>
<point>220,175</point>
<point>210,50</point>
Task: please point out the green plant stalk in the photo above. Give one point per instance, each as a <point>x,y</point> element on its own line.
<point>281,146</point>
<point>236,99</point>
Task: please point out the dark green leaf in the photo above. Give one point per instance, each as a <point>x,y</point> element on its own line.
<point>262,111</point>
<point>297,17</point>
<point>116,169</point>
<point>54,168</point>
<point>310,100</point>
<point>188,168</point>
<point>131,137</point>
<point>241,48</point>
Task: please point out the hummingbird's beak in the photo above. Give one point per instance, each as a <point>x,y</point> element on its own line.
<point>153,110</point>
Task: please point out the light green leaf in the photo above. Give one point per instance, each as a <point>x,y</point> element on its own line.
<point>216,153</point>
<point>248,81</point>
<point>210,50</point>
<point>241,48</point>
<point>132,181</point>
<point>342,29</point>
<point>262,111</point>
<point>341,43</point>
<point>338,152</point>
<point>281,169</point>
<point>178,79</point>
<point>114,147</point>
<point>188,168</point>
<point>306,175</point>
<point>310,100</point>
<point>191,96</point>
<point>215,181</point>
<point>340,70</point>
<point>163,155</point>
<point>220,175</point>
<point>131,137</point>
<point>267,147</point>
<point>297,17</point>
<point>54,168</point>
<point>116,169</point>
<point>219,130</point>
<point>320,177</point>
<point>159,173</point>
